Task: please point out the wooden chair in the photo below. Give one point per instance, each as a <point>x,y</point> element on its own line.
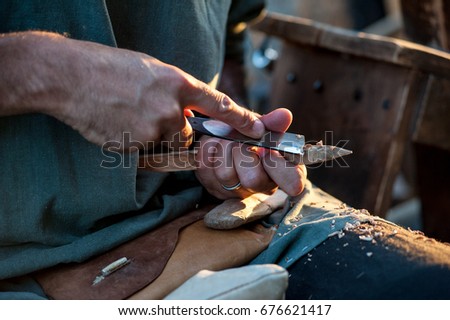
<point>378,93</point>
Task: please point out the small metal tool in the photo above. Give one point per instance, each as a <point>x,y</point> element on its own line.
<point>111,268</point>
<point>284,142</point>
<point>291,145</point>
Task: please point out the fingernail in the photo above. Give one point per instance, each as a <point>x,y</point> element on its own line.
<point>188,113</point>
<point>252,149</point>
<point>261,152</point>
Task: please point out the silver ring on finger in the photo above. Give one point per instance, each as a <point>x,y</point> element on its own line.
<point>232,188</point>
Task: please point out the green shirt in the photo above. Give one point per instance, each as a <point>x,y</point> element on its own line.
<point>57,204</point>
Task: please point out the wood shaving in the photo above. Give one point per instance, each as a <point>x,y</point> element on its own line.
<point>378,234</point>
<point>365,229</point>
<point>348,226</point>
<point>342,205</point>
<point>333,234</point>
<point>366,238</point>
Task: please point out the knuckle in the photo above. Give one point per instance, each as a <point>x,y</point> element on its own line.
<point>246,122</point>
<point>175,77</point>
<point>172,114</point>
<point>225,175</point>
<point>253,181</point>
<point>223,104</point>
<point>218,194</point>
<point>296,184</point>
<point>205,93</point>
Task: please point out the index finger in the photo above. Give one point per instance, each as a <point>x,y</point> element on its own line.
<point>215,104</point>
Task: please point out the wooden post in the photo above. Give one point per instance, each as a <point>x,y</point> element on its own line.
<point>427,22</point>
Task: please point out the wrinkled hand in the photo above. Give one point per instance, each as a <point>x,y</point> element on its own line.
<point>227,163</point>
<point>105,93</point>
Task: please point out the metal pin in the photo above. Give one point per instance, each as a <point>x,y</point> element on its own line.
<point>291,77</point>
<point>111,268</point>
<point>318,86</point>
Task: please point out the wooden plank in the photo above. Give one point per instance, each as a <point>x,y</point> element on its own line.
<point>413,92</point>
<point>428,22</point>
<point>380,48</point>
<point>296,29</point>
<point>362,100</point>
<point>433,126</point>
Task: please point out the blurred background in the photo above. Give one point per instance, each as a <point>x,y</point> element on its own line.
<point>420,22</point>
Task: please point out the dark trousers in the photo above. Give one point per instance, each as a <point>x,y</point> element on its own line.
<point>373,261</point>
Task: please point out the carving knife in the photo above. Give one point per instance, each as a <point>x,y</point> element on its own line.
<point>291,145</point>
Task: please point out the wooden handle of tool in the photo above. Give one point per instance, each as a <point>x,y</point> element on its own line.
<point>169,161</point>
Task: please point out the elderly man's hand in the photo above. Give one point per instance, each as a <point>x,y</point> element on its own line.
<point>105,92</point>
<point>229,169</point>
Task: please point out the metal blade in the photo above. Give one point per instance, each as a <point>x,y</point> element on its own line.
<point>317,153</point>
<point>284,142</point>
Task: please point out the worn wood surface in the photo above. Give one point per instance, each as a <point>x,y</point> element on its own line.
<point>432,150</point>
<point>428,22</point>
<point>433,125</point>
<point>381,94</point>
<point>233,213</point>
<point>338,97</point>
<point>399,52</point>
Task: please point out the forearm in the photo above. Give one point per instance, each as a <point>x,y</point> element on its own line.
<point>103,92</point>
<point>31,69</point>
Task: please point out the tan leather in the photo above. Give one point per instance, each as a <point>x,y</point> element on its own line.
<point>200,247</point>
<point>148,253</point>
<point>160,261</point>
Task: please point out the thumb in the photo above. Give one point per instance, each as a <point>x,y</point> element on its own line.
<point>215,104</point>
<point>278,120</point>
